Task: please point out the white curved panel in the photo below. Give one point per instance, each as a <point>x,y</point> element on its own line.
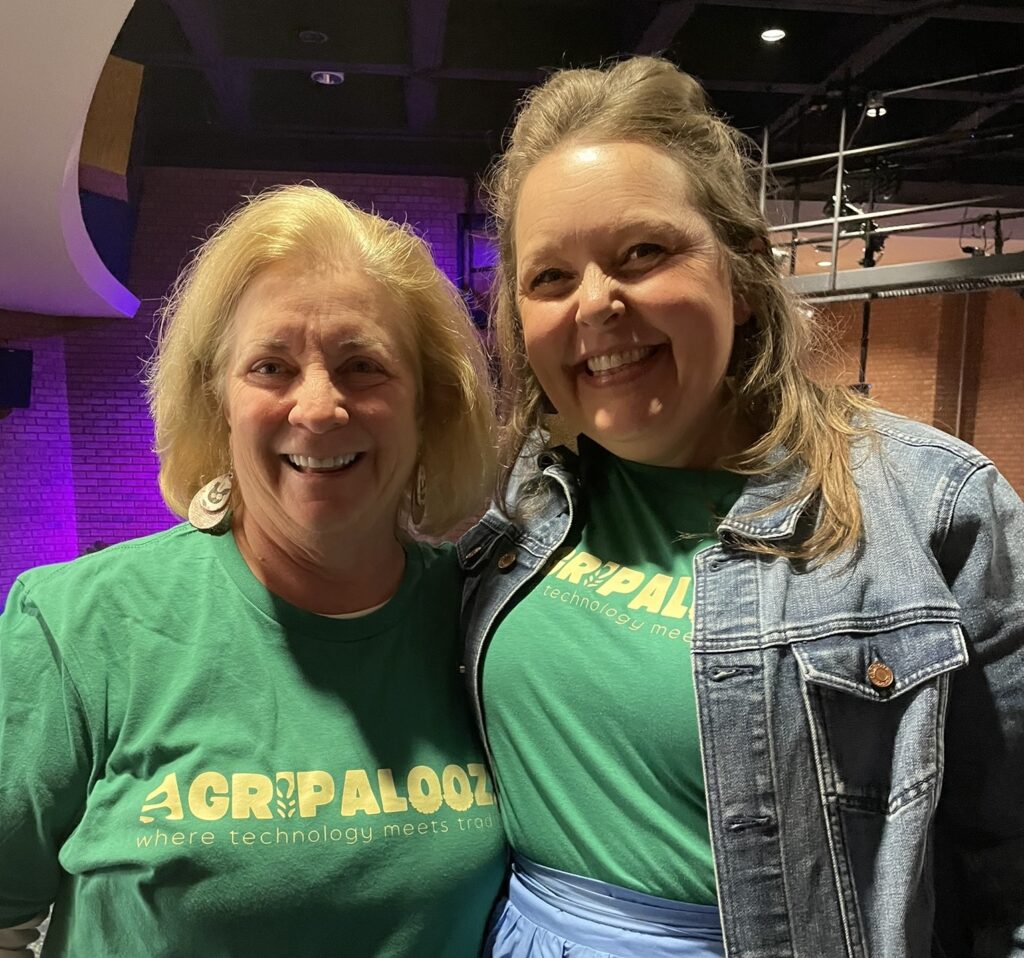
<point>53,53</point>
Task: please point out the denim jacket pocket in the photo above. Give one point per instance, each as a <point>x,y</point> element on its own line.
<point>876,704</point>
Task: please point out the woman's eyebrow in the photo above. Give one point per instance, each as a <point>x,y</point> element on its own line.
<point>274,343</point>
<point>362,342</point>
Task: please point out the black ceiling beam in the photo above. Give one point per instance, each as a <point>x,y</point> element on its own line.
<point>984,113</point>
<point>813,89</point>
<point>942,9</point>
<point>530,76</point>
<point>300,131</point>
<point>427,22</point>
<point>850,68</point>
<point>401,70</point>
<point>667,22</point>
<point>229,77</point>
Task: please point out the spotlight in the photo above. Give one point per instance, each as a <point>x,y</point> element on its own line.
<point>327,77</point>
<point>773,35</point>
<point>875,106</point>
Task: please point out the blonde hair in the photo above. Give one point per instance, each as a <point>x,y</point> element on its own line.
<point>648,100</point>
<point>309,225</point>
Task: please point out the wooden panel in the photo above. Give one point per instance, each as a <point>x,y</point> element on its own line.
<point>107,138</point>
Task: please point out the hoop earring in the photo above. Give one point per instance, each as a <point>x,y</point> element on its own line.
<point>418,499</point>
<point>209,509</point>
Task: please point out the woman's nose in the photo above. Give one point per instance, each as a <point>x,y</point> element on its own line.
<point>319,404</point>
<point>599,298</point>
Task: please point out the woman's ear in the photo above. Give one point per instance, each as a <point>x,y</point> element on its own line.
<point>741,311</point>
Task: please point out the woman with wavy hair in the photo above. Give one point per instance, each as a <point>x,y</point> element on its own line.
<point>247,735</point>
<point>748,660</point>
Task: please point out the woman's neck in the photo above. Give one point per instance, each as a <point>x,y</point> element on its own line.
<point>328,578</point>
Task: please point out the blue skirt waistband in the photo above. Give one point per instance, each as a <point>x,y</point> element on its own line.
<point>584,908</point>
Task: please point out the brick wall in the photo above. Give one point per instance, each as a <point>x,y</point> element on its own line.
<point>955,361</point>
<point>994,417</point>
<point>37,517</point>
<point>77,467</point>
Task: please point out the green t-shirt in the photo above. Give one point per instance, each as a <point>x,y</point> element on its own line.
<point>588,690</point>
<point>189,765</point>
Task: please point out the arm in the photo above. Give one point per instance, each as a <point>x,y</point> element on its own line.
<point>980,821</point>
<point>44,760</point>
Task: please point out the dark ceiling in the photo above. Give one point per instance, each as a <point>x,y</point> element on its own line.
<point>430,84</point>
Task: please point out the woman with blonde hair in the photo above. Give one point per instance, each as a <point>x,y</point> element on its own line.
<point>246,735</point>
<point>748,662</point>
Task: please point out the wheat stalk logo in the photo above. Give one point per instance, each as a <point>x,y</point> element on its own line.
<point>284,792</point>
<point>602,575</point>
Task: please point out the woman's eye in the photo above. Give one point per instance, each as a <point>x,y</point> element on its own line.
<point>363,367</point>
<point>268,368</point>
<point>642,252</point>
<point>546,278</point>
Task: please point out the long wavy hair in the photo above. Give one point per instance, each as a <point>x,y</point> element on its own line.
<point>650,101</point>
<point>310,226</point>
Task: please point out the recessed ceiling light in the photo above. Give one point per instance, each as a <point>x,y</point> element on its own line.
<point>824,262</point>
<point>313,36</point>
<point>327,77</point>
<point>773,35</point>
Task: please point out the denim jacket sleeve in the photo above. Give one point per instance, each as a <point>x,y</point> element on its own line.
<point>980,840</point>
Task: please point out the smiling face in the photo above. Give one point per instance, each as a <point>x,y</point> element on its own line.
<point>321,399</point>
<point>627,309</point>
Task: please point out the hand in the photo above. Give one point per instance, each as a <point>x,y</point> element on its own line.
<point>14,941</point>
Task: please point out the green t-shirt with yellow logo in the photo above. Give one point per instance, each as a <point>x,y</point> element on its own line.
<point>588,689</point>
<point>189,765</point>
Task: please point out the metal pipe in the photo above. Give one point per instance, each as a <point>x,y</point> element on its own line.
<point>911,228</point>
<point>963,363</point>
<point>837,201</point>
<point>883,214</point>
<point>865,329</point>
<point>764,168</point>
<point>968,76</point>
<point>948,137</point>
<point>796,215</point>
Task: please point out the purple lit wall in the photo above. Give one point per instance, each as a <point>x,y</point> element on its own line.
<point>77,467</point>
<point>37,517</point>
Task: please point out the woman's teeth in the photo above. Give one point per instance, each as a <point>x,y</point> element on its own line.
<point>609,361</point>
<point>308,462</point>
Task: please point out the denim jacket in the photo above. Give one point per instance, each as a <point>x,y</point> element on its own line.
<point>861,720</point>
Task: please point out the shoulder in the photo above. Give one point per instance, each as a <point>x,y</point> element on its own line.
<point>899,456</point>
<point>916,439</point>
<point>119,571</point>
<point>908,473</point>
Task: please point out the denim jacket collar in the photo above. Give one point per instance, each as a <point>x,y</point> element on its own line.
<point>755,515</point>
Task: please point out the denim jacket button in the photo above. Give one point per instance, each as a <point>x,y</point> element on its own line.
<point>880,675</point>
<point>506,561</point>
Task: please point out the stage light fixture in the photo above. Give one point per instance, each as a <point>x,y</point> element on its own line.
<point>875,106</point>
